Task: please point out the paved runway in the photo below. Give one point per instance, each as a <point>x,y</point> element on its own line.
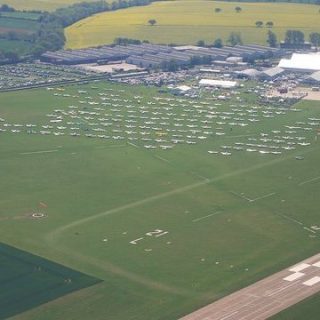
<point>267,297</point>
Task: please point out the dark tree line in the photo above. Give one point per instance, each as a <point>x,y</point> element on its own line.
<point>50,34</point>
<point>126,41</point>
<point>6,8</point>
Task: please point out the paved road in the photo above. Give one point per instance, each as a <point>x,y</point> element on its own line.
<point>267,297</point>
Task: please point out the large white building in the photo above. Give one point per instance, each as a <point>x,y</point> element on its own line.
<point>301,62</point>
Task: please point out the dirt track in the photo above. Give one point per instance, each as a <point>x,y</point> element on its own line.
<point>266,297</point>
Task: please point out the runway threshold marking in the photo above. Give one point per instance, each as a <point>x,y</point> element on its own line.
<point>38,152</point>
<point>205,217</point>
<point>307,181</point>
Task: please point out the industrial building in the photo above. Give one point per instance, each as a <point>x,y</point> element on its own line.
<point>248,74</point>
<point>152,56</point>
<point>271,74</point>
<point>101,54</point>
<point>313,79</point>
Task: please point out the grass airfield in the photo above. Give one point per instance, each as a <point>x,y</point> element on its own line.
<point>168,230</point>
<point>187,21</point>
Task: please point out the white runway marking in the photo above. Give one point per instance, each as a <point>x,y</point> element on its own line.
<point>291,219</point>
<point>132,144</point>
<point>229,315</point>
<point>294,276</point>
<point>307,181</point>
<point>300,267</point>
<point>111,146</point>
<point>38,152</point>
<point>242,196</point>
<point>50,237</point>
<point>162,159</point>
<point>205,217</point>
<point>263,197</point>
<point>310,230</point>
<point>312,281</point>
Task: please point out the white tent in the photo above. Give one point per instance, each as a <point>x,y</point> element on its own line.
<point>301,62</point>
<point>218,83</point>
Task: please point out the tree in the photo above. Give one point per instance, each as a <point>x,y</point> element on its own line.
<point>259,24</point>
<point>269,24</point>
<point>152,22</point>
<point>238,9</point>
<point>201,43</point>
<point>315,39</point>
<point>170,65</point>
<point>234,39</point>
<point>6,8</point>
<point>12,56</point>
<point>294,37</point>
<point>217,10</point>
<point>218,43</point>
<point>272,39</point>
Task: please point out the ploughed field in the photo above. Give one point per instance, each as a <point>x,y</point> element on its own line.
<point>187,21</point>
<point>172,202</point>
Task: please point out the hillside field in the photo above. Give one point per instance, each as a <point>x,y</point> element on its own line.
<point>45,5</point>
<point>187,21</point>
<point>167,231</point>
<point>18,23</point>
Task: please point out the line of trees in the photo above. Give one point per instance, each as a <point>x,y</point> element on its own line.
<point>78,11</point>
<point>292,37</point>
<point>260,24</point>
<point>50,34</point>
<point>125,41</point>
<point>6,8</point>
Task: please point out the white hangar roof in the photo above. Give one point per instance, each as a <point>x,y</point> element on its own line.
<point>301,62</point>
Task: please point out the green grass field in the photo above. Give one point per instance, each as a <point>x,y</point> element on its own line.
<point>188,21</point>
<point>14,45</point>
<point>20,23</point>
<point>28,281</point>
<point>21,15</point>
<point>108,200</point>
<point>17,25</point>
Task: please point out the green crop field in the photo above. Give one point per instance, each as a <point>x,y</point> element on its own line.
<point>14,45</point>
<point>17,25</point>
<point>21,15</point>
<point>28,281</point>
<point>139,191</point>
<point>187,21</point>
<point>46,5</point>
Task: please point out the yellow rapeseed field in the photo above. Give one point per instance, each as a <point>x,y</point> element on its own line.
<point>187,21</point>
